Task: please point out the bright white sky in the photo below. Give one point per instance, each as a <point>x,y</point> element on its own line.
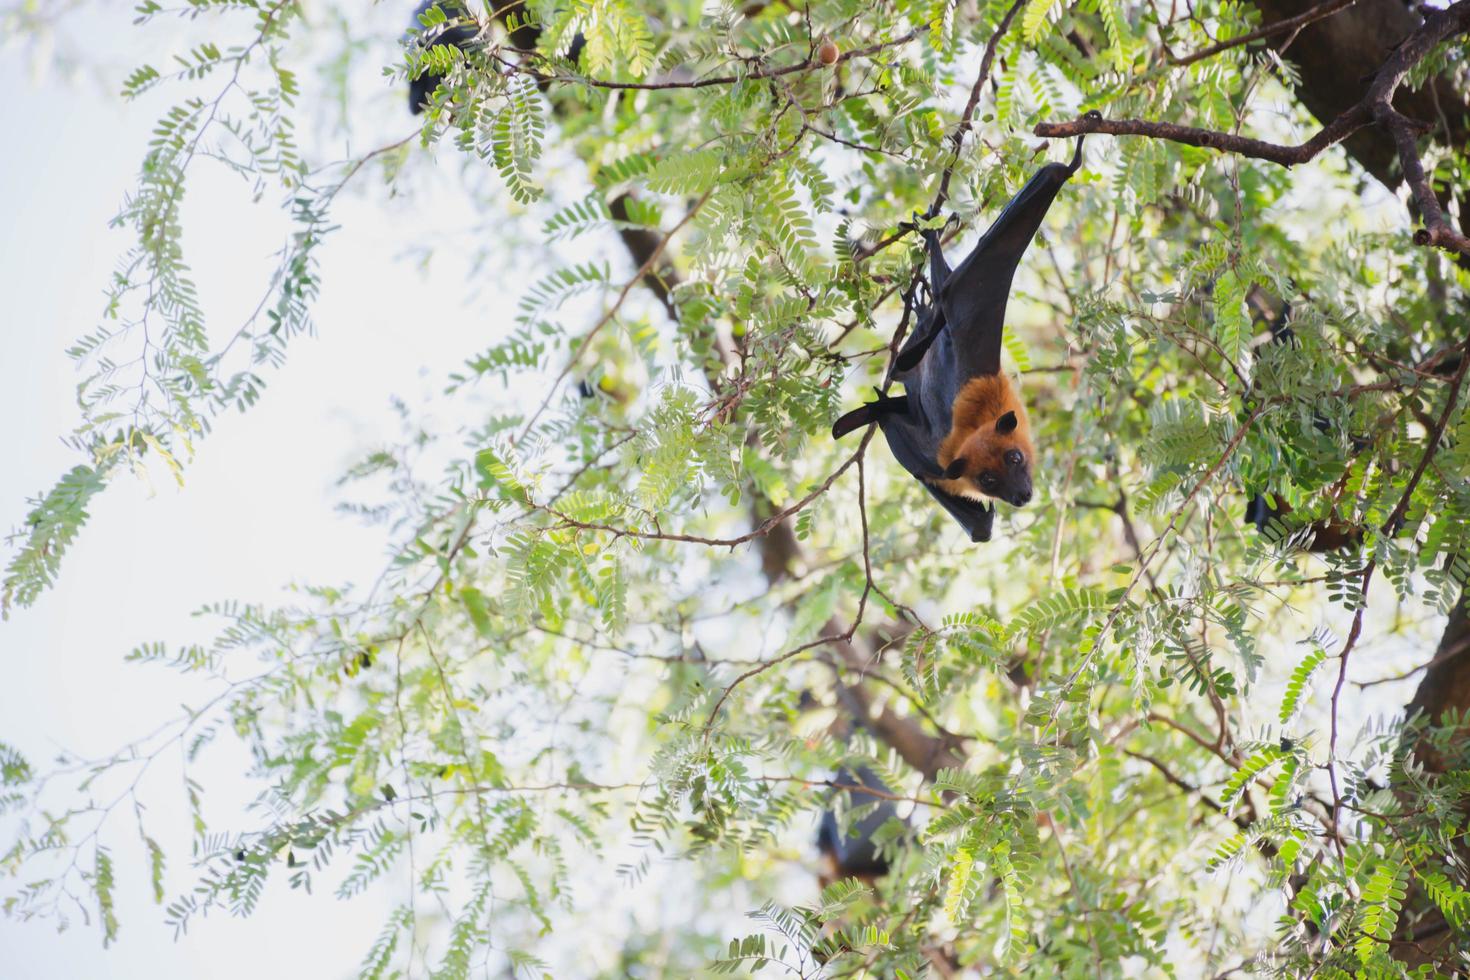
<point>255,515</point>
<point>257,509</point>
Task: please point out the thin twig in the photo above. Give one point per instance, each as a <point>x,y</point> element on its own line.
<point>1431,445</point>
<point>586,341</point>
<point>760,530</point>
<point>801,66</point>
<point>1319,12</point>
<point>1342,666</point>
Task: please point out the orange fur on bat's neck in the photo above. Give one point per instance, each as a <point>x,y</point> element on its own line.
<point>972,433</point>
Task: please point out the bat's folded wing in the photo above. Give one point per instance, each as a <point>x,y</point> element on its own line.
<point>914,444</point>
<point>916,447</point>
<point>975,517</point>
<point>869,413</point>
<point>973,297</point>
<point>930,320</point>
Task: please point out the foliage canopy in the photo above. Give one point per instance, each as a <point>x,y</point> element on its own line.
<point>616,627</point>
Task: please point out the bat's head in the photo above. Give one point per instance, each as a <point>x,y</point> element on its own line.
<point>995,460</point>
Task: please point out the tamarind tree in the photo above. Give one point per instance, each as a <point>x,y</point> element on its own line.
<point>631,600</point>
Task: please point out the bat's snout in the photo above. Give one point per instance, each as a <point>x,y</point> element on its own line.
<point>1021,497</point>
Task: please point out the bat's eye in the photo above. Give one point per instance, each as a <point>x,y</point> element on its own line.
<point>988,481</point>
<point>1014,458</point>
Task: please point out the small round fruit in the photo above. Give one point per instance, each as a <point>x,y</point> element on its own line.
<point>827,52</point>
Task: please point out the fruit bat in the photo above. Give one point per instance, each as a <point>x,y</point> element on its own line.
<point>854,854</point>
<point>960,427</point>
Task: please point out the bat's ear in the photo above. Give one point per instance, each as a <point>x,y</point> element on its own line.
<point>955,469</point>
<point>1006,423</point>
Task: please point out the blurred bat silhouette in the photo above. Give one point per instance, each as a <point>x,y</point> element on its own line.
<point>460,29</point>
<point>1273,517</point>
<point>855,854</point>
<point>960,428</point>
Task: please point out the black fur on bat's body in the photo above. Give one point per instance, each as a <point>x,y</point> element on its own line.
<point>458,31</point>
<point>462,29</point>
<point>855,854</point>
<point>960,427</point>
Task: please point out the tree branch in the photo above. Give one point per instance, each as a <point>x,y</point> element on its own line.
<point>1287,156</point>
<point>1319,12</point>
<point>1375,107</point>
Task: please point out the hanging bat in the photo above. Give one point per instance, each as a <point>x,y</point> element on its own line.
<point>854,854</point>
<point>960,427</point>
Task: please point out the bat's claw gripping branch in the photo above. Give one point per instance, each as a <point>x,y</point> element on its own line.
<point>1091,115</point>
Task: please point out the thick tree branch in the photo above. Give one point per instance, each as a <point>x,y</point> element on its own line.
<point>1287,156</point>
<point>1337,59</point>
<point>1437,231</point>
<point>1444,691</point>
<point>1375,107</point>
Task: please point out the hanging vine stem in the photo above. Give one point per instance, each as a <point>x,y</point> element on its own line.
<point>857,619</point>
<point>1342,666</point>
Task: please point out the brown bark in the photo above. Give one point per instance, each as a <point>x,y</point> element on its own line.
<point>1337,58</point>
<point>1425,936</point>
<point>1446,683</point>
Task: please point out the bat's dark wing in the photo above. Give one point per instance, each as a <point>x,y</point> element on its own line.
<point>930,319</point>
<point>915,445</point>
<point>914,441</point>
<point>868,414</point>
<point>976,518</point>
<point>971,299</point>
<point>856,853</point>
